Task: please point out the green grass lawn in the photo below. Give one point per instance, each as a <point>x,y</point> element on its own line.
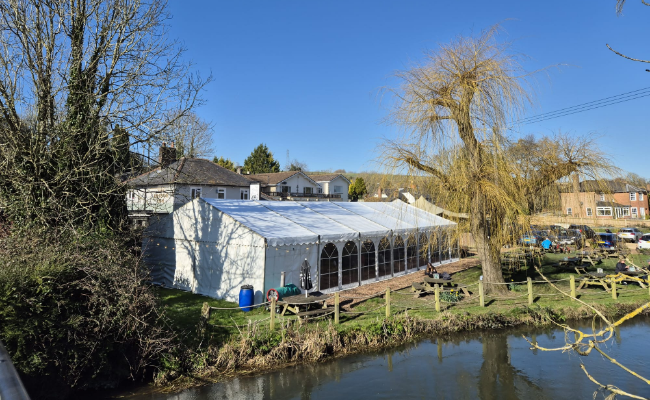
<point>184,311</point>
<point>184,308</point>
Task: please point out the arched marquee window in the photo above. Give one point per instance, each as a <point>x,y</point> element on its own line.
<point>444,246</point>
<point>368,260</point>
<point>384,257</point>
<point>350,264</point>
<point>412,252</point>
<point>423,249</point>
<point>434,245</point>
<point>329,267</point>
<point>399,255</point>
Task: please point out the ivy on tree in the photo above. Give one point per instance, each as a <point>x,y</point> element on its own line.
<point>261,161</point>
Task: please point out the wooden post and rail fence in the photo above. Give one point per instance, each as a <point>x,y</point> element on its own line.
<point>205,312</point>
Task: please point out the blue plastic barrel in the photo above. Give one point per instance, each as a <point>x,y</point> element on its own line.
<point>246,298</point>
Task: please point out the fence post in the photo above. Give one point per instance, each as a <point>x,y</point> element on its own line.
<point>437,298</point>
<point>530,291</point>
<point>573,287</point>
<point>387,302</point>
<point>614,289</point>
<point>272,313</point>
<point>336,308</point>
<point>480,293</point>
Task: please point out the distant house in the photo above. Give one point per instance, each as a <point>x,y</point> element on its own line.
<point>608,200</point>
<point>333,184</point>
<point>176,182</point>
<point>293,185</point>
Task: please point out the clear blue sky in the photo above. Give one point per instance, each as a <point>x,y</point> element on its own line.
<point>305,76</point>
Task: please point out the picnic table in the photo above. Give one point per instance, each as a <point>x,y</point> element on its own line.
<point>594,279</point>
<point>445,284</point>
<point>630,276</point>
<point>314,304</point>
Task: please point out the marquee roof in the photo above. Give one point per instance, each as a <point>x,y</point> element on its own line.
<point>292,223</point>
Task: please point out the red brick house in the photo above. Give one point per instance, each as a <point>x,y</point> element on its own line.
<point>608,200</point>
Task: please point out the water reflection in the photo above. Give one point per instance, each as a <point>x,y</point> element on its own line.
<point>486,366</point>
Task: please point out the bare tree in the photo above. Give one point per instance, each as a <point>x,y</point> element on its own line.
<point>192,136</point>
<point>454,108</point>
<point>619,11</point>
<point>583,342</point>
<point>296,165</point>
<point>70,72</point>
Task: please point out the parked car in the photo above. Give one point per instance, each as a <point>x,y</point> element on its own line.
<point>606,240</point>
<point>570,236</point>
<point>531,239</point>
<point>585,230</point>
<point>632,234</point>
<point>644,242</point>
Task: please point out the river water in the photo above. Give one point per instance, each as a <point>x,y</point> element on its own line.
<point>477,365</point>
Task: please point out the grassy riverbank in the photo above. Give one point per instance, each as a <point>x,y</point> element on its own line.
<point>242,343</point>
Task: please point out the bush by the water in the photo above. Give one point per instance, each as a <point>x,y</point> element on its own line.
<point>77,312</point>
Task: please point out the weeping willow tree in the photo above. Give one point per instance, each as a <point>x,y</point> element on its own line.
<point>454,108</point>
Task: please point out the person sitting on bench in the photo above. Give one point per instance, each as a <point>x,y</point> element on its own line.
<point>431,270</point>
<point>546,244</point>
<point>621,266</point>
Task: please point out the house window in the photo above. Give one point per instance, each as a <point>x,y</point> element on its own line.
<point>284,189</point>
<point>221,193</point>
<point>243,194</point>
<point>195,193</point>
<point>640,196</point>
<point>635,213</point>
<point>602,197</point>
<point>307,190</point>
<point>337,189</point>
<point>320,190</point>
<point>569,211</point>
<point>632,196</point>
<point>589,213</point>
<point>130,194</point>
<point>642,211</point>
<point>604,211</point>
<point>626,211</point>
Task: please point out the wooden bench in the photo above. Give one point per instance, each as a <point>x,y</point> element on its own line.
<point>446,285</point>
<point>418,288</point>
<point>594,279</point>
<point>316,312</point>
<point>581,270</point>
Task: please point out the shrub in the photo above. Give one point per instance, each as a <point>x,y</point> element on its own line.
<point>77,312</point>
<point>451,296</point>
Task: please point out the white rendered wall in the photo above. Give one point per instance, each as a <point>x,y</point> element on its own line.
<point>345,186</point>
<point>300,181</point>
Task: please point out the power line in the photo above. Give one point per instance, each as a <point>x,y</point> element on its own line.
<point>592,105</point>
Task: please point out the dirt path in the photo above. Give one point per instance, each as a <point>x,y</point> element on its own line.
<point>400,282</point>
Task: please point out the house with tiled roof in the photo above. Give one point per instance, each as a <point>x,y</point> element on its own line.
<point>613,199</point>
<point>175,182</point>
<point>333,184</point>
<point>295,185</point>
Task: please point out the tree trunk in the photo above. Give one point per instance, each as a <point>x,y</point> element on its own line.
<point>489,252</point>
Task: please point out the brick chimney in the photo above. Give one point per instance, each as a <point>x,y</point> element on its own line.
<point>167,155</point>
